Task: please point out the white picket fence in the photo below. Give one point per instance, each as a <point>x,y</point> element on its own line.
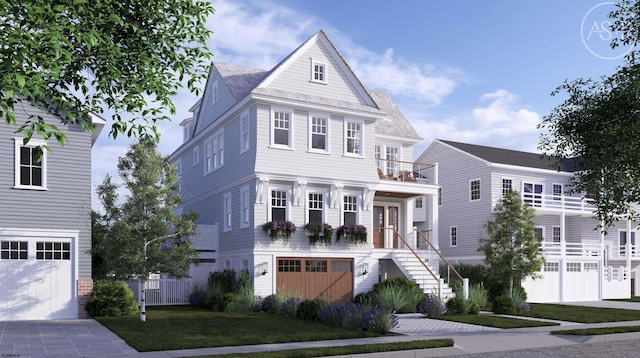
<point>163,291</point>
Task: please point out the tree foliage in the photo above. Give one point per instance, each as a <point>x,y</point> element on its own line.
<point>598,126</point>
<point>512,251</point>
<point>75,57</point>
<point>143,235</point>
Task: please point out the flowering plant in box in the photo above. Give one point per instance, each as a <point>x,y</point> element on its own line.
<point>319,233</point>
<point>353,233</point>
<point>279,229</point>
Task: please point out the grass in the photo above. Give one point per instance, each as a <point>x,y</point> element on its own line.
<point>348,350</point>
<point>186,327</point>
<point>598,331</point>
<point>580,314</point>
<point>496,321</point>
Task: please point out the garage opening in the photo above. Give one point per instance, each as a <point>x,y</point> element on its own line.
<point>330,279</point>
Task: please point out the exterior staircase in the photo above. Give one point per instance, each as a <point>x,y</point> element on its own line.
<point>413,268</point>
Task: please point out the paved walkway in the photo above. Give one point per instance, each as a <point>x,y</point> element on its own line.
<point>87,338</point>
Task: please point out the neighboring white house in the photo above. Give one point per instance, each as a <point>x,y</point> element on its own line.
<point>581,262</point>
<point>45,222</point>
<point>306,142</point>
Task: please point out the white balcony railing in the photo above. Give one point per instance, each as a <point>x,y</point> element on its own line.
<point>555,202</point>
<point>412,172</point>
<point>572,249</point>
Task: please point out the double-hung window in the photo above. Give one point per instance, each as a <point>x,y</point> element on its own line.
<point>453,236</point>
<point>557,192</point>
<point>196,155</point>
<point>244,132</point>
<point>353,138</point>
<point>507,186</point>
<point>315,207</point>
<point>214,92</point>
<point>281,128</point>
<point>30,171</point>
<point>278,205</point>
<point>393,156</point>
<point>227,211</point>
<point>214,152</point>
<point>474,190</point>
<point>244,207</point>
<point>350,210</point>
<point>318,133</point>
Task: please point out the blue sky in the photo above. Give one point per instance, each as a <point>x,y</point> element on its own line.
<point>472,71</point>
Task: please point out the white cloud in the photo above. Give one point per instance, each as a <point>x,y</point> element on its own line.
<point>498,121</point>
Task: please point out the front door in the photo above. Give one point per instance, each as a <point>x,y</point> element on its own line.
<point>393,220</point>
<point>378,227</point>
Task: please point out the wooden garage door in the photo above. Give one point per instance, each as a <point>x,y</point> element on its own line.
<point>327,278</point>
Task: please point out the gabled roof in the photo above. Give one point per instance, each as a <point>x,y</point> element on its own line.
<point>512,157</point>
<point>244,81</point>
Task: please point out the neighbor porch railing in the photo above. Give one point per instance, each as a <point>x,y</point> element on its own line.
<point>554,202</point>
<point>591,248</point>
<point>163,291</point>
<point>398,170</point>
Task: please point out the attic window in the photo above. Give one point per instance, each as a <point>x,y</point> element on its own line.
<point>318,71</point>
<point>214,92</point>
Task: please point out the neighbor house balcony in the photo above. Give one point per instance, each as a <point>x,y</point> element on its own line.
<point>549,204</point>
<point>591,248</point>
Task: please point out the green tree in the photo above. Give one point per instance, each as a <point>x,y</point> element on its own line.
<point>598,128</point>
<point>143,235</point>
<point>512,251</point>
<point>75,57</point>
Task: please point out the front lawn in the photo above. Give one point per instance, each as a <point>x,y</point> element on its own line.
<point>496,321</point>
<point>598,331</point>
<point>580,314</point>
<point>186,327</point>
<point>348,350</point>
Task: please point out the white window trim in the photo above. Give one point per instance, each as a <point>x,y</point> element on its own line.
<point>315,62</point>
<point>272,127</point>
<point>451,236</point>
<point>543,230</point>
<point>227,212</point>
<point>245,144</point>
<point>310,133</point>
<point>179,166</point>
<point>285,188</point>
<point>385,162</point>
<point>553,195</point>
<point>479,188</point>
<point>214,92</point>
<point>325,202</point>
<point>502,184</point>
<point>553,229</point>
<point>358,205</point>
<point>216,142</point>
<point>245,219</point>
<point>196,155</point>
<point>16,169</point>
<point>362,140</point>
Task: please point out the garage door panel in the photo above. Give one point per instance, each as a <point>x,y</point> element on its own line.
<point>34,288</point>
<point>324,278</point>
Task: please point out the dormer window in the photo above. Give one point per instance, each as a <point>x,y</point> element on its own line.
<point>318,71</point>
<point>186,129</point>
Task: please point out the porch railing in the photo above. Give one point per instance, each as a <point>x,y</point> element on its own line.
<point>571,249</point>
<point>465,286</point>
<point>555,202</point>
<point>398,170</point>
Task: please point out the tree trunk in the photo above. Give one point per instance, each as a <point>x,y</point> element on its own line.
<point>143,305</point>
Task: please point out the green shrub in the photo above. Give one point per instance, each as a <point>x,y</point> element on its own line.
<point>503,305</point>
<point>398,294</point>
<point>472,307</point>
<point>223,280</point>
<point>457,306</point>
<point>480,296</point>
<point>111,298</point>
<point>364,297</point>
<point>519,297</point>
<point>308,309</point>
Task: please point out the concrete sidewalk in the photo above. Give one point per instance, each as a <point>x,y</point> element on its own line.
<point>87,338</point>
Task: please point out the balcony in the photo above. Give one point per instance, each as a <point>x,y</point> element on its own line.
<point>409,172</point>
<point>556,203</point>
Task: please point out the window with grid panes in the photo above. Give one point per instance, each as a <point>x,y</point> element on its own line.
<point>289,266</point>
<point>354,137</point>
<point>319,133</point>
<point>13,250</point>
<point>350,209</point>
<point>278,205</point>
<point>281,128</point>
<point>315,208</point>
<point>474,187</point>
<point>53,251</point>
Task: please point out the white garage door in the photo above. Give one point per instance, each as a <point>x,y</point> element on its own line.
<point>37,278</point>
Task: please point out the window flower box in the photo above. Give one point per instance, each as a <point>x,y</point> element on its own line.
<point>353,233</point>
<point>279,229</point>
<point>319,233</point>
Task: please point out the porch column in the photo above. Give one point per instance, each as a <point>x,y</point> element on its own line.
<point>410,205</point>
<point>603,267</point>
<point>628,251</point>
<point>434,220</point>
<point>563,239</point>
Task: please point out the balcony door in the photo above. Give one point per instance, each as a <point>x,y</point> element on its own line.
<point>532,194</point>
